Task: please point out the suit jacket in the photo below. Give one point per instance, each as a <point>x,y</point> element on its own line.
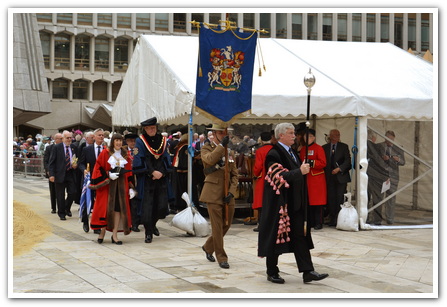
<point>342,158</point>
<point>214,189</point>
<point>57,162</point>
<point>392,165</point>
<point>88,156</point>
<point>46,158</point>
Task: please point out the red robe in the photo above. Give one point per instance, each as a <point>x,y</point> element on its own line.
<point>259,172</point>
<point>108,192</point>
<point>316,180</point>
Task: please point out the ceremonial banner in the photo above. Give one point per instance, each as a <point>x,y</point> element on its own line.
<point>225,75</point>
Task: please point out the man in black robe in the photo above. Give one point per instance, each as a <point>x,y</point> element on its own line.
<point>151,165</point>
<point>283,216</point>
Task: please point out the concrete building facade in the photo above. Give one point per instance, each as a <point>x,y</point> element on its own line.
<point>84,56</point>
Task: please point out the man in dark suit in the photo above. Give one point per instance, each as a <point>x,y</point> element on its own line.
<point>337,173</point>
<point>88,157</point>
<point>62,168</point>
<point>46,164</point>
<point>284,211</point>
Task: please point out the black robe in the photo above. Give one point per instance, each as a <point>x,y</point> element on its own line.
<point>293,197</point>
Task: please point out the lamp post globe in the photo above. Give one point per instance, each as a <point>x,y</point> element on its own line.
<point>309,80</point>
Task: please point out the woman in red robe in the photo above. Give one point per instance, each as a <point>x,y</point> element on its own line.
<point>111,180</point>
<point>316,180</point>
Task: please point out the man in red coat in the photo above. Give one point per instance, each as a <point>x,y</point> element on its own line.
<point>259,172</point>
<point>316,179</point>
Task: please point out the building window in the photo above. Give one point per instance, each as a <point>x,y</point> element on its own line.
<point>85,19</point>
<point>312,26</point>
<point>342,26</point>
<point>104,19</point>
<point>356,27</point>
<point>60,89</point>
<point>115,89</point>
<point>412,31</point>
<point>370,27</point>
<point>215,18</point>
<point>44,17</point>
<point>281,25</point>
<point>233,17</point>
<point>398,28</point>
<point>45,40</point>
<point>80,89</point>
<point>65,18</point>
<point>264,22</point>
<point>82,52</point>
<point>197,17</point>
<point>425,32</point>
<point>297,26</point>
<point>249,21</point>
<point>124,20</point>
<point>327,26</point>
<point>384,28</point>
<point>100,90</point>
<point>180,22</point>
<point>161,21</point>
<point>143,21</point>
<point>61,51</point>
<point>121,54</point>
<point>102,53</point>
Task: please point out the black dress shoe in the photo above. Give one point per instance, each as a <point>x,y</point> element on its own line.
<point>210,257</point>
<point>318,227</point>
<point>117,242</point>
<point>100,240</point>
<point>135,228</point>
<point>97,231</point>
<point>275,279</point>
<point>148,239</point>
<point>256,229</point>
<point>53,211</point>
<point>156,232</point>
<point>63,218</point>
<point>69,213</point>
<point>312,275</point>
<point>224,265</point>
<point>85,227</point>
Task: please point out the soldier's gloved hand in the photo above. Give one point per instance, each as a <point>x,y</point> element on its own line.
<point>225,141</point>
<point>228,198</point>
<point>113,176</point>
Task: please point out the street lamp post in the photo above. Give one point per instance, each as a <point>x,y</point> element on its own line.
<point>309,81</point>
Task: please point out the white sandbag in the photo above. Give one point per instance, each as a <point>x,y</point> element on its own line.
<point>348,218</point>
<point>201,227</point>
<point>184,220</point>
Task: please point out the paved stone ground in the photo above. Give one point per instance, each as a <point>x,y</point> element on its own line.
<point>69,262</point>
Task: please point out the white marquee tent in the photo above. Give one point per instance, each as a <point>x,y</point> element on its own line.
<point>353,80</point>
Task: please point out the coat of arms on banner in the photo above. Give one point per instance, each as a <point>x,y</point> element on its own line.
<point>226,64</point>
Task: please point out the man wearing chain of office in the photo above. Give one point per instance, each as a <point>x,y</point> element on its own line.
<point>151,164</point>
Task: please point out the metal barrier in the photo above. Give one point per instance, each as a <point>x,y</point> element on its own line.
<point>29,166</point>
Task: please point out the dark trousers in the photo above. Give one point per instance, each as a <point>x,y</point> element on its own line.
<point>52,187</point>
<point>302,257</point>
<point>69,185</point>
<point>335,197</point>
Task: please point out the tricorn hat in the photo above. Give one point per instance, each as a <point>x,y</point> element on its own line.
<point>130,136</point>
<point>149,122</point>
<point>217,127</point>
<point>266,136</point>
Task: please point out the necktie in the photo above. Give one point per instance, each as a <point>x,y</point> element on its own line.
<point>333,156</point>
<point>99,151</point>
<point>291,154</point>
<point>67,159</point>
<point>388,151</point>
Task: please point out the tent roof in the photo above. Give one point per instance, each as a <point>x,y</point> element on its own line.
<point>377,80</point>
